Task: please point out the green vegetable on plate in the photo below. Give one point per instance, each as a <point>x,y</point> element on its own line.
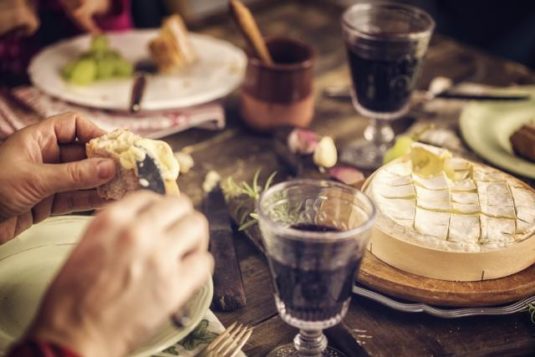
<point>83,72</point>
<point>99,63</point>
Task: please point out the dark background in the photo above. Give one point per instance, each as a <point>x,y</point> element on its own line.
<point>505,28</point>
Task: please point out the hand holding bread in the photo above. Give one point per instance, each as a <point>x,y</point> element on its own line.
<point>45,171</point>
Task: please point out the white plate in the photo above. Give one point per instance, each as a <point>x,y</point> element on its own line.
<point>28,264</point>
<point>218,72</point>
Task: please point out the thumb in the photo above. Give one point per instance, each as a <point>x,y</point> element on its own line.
<point>78,175</point>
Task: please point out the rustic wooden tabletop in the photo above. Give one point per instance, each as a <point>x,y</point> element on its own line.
<point>239,153</point>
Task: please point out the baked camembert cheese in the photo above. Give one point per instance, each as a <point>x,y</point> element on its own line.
<point>448,218</point>
<point>126,149</point>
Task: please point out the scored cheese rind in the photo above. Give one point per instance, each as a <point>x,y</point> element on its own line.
<point>471,211</point>
<point>504,206</point>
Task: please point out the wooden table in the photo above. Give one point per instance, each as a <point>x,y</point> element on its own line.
<point>239,153</point>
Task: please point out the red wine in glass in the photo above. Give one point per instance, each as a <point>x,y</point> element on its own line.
<point>383,82</point>
<point>308,290</point>
<point>385,45</point>
<point>315,234</point>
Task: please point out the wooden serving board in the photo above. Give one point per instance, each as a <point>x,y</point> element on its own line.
<point>386,279</point>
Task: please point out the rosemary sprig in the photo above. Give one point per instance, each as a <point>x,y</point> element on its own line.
<point>250,193</point>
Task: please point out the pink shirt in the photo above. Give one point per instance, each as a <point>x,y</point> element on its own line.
<point>15,53</point>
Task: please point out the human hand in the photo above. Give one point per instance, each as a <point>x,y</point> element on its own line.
<point>138,262</point>
<point>82,12</point>
<point>45,171</point>
<point>17,18</point>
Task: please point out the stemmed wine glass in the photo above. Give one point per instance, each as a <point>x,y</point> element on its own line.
<point>385,45</point>
<point>315,233</point>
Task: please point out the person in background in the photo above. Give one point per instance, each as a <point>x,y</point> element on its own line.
<point>26,26</point>
<point>138,262</point>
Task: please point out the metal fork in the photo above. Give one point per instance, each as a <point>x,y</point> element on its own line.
<point>229,343</point>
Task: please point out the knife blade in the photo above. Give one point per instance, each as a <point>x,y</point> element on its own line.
<point>149,176</point>
<point>229,293</point>
<point>482,97</point>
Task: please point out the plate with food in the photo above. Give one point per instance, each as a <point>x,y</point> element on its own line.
<point>503,133</point>
<point>450,231</point>
<point>29,262</point>
<point>182,69</point>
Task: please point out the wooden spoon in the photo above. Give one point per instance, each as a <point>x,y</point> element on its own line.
<point>247,24</point>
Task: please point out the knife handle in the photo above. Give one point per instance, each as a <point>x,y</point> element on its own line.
<point>138,88</point>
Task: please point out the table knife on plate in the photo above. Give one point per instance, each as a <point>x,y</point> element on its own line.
<point>139,84</point>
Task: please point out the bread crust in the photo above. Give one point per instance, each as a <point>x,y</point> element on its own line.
<point>125,180</point>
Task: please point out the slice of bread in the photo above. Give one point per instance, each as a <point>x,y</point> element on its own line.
<point>171,50</point>
<point>126,148</point>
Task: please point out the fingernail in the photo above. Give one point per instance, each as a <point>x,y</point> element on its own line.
<point>105,169</point>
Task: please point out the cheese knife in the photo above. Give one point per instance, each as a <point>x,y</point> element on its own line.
<point>149,176</point>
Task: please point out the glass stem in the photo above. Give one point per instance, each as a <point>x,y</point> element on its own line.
<point>379,132</point>
<point>310,343</point>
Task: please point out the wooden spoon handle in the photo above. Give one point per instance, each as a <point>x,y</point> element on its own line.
<point>247,24</point>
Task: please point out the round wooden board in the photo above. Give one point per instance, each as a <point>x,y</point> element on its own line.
<point>384,278</point>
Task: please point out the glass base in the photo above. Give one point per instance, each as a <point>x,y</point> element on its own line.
<point>363,154</point>
<point>290,351</point>
<point>319,320</point>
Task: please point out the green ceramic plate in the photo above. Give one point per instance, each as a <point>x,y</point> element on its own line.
<point>486,127</point>
<point>27,265</point>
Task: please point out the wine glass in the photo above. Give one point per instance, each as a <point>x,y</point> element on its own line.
<point>315,233</point>
<point>385,45</point>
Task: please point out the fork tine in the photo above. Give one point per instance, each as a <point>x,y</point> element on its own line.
<point>223,337</point>
<point>234,341</point>
<point>207,351</point>
<point>242,342</point>
<point>230,340</point>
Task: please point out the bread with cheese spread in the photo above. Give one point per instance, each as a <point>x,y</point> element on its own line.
<point>126,149</point>
<point>171,50</point>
